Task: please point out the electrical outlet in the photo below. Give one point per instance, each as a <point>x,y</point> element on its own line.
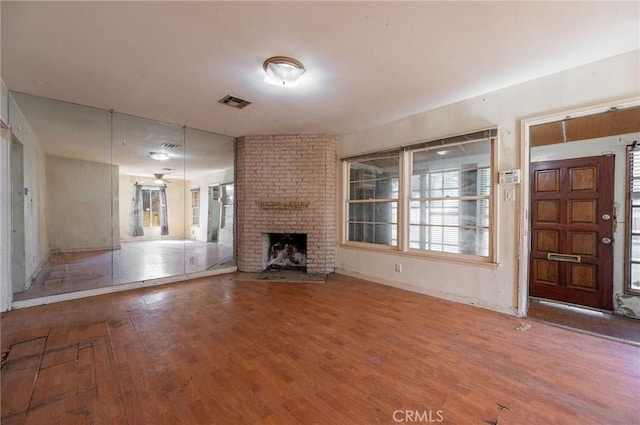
<point>399,268</point>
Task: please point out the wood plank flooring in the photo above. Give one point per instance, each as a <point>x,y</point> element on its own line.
<point>217,351</point>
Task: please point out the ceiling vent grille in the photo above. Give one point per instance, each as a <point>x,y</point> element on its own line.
<point>171,146</point>
<point>234,101</point>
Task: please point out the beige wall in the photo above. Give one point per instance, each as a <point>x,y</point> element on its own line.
<point>82,196</point>
<point>491,287</point>
<point>175,210</point>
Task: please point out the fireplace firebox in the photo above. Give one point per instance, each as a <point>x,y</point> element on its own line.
<point>286,251</point>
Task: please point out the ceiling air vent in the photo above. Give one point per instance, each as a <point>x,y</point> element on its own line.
<point>234,101</point>
<point>171,146</point>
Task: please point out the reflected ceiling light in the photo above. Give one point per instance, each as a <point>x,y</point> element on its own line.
<point>159,156</point>
<point>441,153</point>
<point>283,71</point>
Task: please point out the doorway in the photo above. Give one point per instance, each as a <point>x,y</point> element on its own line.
<point>603,130</point>
<point>213,213</point>
<point>572,216</point>
<point>18,263</point>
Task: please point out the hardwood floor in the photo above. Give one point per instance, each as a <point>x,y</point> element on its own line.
<point>135,261</point>
<point>217,351</point>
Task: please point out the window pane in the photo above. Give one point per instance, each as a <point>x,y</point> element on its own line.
<point>155,208</point>
<point>450,206</point>
<point>365,222</point>
<point>374,179</point>
<point>374,212</point>
<point>383,234</point>
<point>635,248</point>
<point>474,241</point>
<point>146,208</point>
<point>635,277</point>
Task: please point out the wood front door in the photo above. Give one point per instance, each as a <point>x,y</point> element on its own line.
<point>572,231</point>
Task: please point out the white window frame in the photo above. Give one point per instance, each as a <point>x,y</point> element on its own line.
<point>404,199</point>
<point>195,209</point>
<point>348,201</point>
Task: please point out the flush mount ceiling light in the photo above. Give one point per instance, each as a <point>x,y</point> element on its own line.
<point>158,156</point>
<point>283,71</point>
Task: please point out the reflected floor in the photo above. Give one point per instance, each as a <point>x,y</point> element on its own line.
<point>135,261</point>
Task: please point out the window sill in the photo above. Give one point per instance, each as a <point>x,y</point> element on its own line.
<point>433,256</point>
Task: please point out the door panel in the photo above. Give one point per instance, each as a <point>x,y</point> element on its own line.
<point>569,261</point>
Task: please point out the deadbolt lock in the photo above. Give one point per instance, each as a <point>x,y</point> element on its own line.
<point>606,217</point>
<point>605,241</point>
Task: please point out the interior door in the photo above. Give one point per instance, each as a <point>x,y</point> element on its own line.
<point>572,231</point>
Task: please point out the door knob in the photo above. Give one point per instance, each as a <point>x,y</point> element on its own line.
<point>606,240</point>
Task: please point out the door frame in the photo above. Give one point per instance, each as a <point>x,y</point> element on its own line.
<point>524,228</point>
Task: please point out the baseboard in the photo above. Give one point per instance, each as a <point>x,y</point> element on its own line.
<point>510,310</point>
<point>116,288</point>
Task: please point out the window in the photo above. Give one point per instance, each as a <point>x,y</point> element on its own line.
<point>450,198</point>
<point>372,204</point>
<point>227,206</point>
<point>430,197</point>
<point>150,207</point>
<point>195,207</point>
<point>633,239</point>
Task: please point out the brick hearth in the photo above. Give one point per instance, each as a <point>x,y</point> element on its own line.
<point>286,184</point>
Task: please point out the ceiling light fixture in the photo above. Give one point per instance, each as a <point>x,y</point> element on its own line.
<point>442,153</point>
<point>283,71</point>
<point>159,156</point>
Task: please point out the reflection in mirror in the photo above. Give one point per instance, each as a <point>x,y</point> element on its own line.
<point>207,170</point>
<point>118,199</point>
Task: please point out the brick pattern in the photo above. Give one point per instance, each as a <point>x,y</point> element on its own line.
<point>286,184</point>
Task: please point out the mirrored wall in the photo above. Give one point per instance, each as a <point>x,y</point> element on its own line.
<point>102,198</point>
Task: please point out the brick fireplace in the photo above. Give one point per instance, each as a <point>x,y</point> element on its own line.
<point>286,185</point>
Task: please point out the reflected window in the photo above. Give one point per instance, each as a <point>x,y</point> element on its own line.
<point>227,206</point>
<point>151,207</point>
<point>195,207</point>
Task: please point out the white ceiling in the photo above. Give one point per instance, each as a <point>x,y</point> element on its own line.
<point>368,62</point>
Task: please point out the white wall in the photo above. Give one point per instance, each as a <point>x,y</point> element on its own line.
<point>4,103</point>
<point>82,195</point>
<point>494,288</point>
<point>5,219</point>
<point>175,210</point>
<point>34,159</point>
<point>5,201</point>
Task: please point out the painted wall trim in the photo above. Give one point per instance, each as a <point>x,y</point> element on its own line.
<point>512,311</point>
<point>117,288</point>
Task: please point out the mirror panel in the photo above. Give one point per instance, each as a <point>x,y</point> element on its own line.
<point>101,211</point>
<point>209,167</point>
<point>150,158</point>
